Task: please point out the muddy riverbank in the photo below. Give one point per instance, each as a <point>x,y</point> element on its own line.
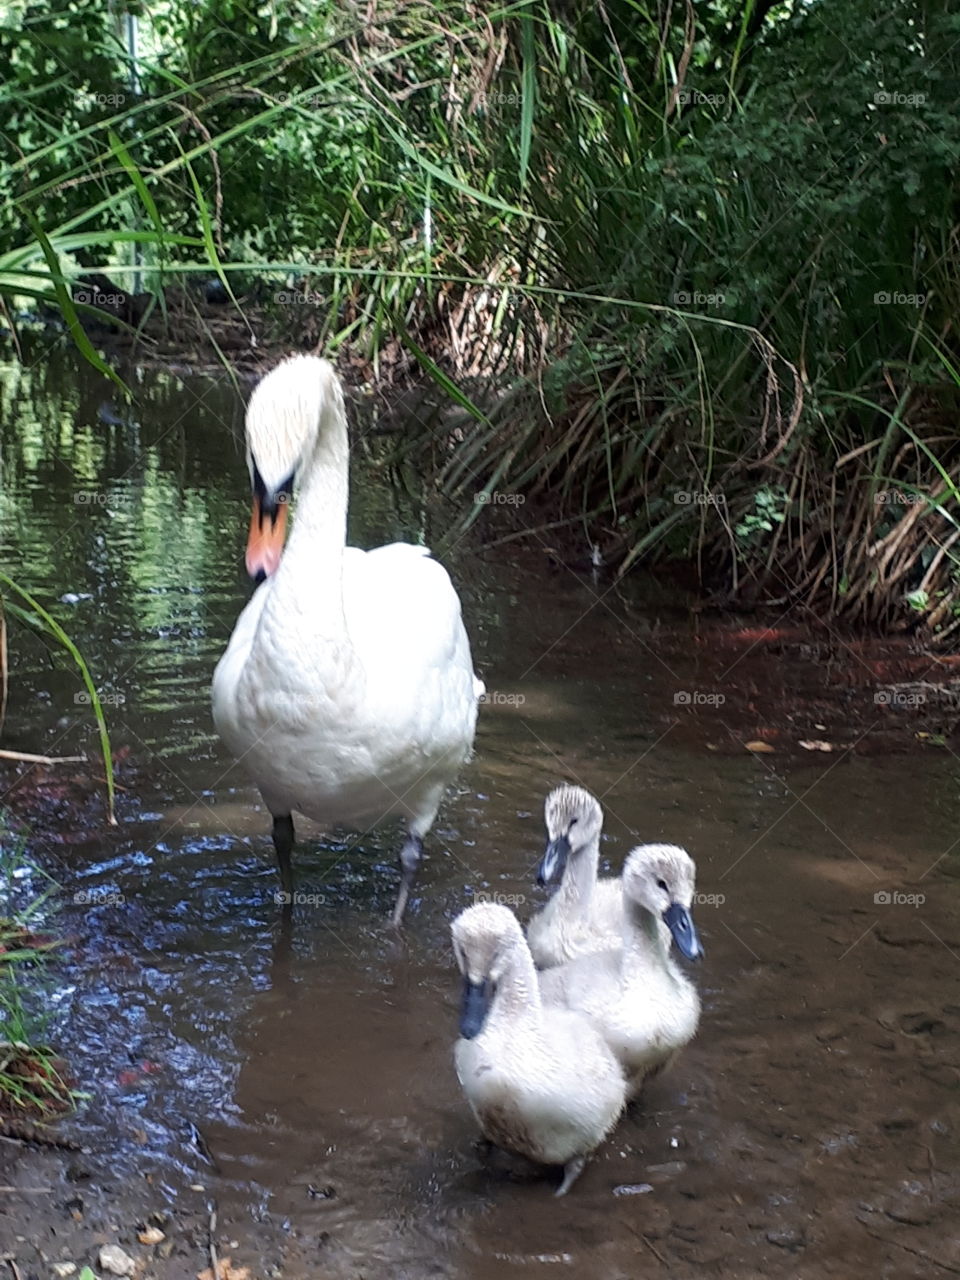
<point>299,1082</point>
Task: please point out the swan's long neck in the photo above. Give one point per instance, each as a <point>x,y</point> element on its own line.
<point>518,992</point>
<point>309,580</point>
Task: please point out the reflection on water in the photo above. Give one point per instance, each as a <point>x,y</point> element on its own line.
<point>316,1063</point>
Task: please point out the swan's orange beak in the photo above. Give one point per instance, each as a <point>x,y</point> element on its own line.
<point>265,543</point>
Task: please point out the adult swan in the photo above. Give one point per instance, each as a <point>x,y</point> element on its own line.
<point>347,690</point>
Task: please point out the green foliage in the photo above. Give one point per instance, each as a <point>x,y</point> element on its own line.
<point>768,511</point>
<point>711,247</point>
<point>37,617</point>
<point>31,1084</point>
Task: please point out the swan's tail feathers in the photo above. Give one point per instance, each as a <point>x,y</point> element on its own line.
<point>479,688</point>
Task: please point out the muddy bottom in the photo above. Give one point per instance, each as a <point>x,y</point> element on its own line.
<point>287,1094</point>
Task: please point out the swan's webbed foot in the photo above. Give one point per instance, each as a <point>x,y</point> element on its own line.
<point>411,856</point>
<point>571,1172</point>
<point>283,838</point>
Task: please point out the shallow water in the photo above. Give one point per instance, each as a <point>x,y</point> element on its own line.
<point>302,1079</point>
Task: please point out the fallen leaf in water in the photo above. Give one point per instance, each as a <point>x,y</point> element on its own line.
<point>227,1271</point>
<point>759,746</point>
<point>817,745</point>
<point>756,635</point>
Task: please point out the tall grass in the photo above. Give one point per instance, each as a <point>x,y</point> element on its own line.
<point>32,1084</point>
<point>38,619</point>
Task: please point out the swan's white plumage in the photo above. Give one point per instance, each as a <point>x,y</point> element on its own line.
<point>347,690</point>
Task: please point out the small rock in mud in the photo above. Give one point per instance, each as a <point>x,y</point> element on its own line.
<point>64,1269</point>
<point>321,1193</point>
<point>910,1205</point>
<point>632,1189</point>
<point>113,1259</point>
<point>917,1024</point>
<point>790,1238</point>
<point>670,1169</point>
<point>832,1031</point>
<point>899,1120</point>
<point>150,1235</point>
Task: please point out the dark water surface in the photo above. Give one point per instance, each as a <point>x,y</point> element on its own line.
<point>301,1080</point>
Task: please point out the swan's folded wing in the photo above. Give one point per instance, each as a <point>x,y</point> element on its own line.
<point>402,610</point>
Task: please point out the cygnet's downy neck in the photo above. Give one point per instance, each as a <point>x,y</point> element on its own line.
<point>645,948</point>
<point>518,991</point>
<point>579,879</point>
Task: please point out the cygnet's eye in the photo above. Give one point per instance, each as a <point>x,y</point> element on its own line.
<point>662,884</point>
<point>573,822</point>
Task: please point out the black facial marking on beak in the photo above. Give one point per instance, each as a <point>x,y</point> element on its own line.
<point>554,859</point>
<point>474,1009</point>
<point>270,503</point>
<point>680,923</point>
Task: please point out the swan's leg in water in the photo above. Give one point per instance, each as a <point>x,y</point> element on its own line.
<point>411,856</point>
<point>571,1172</point>
<point>283,838</point>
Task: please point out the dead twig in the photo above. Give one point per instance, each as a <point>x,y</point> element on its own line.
<point>649,1243</point>
<point>212,1244</point>
<point>27,758</point>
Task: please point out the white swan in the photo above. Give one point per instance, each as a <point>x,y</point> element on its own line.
<point>347,690</point>
<point>540,1081</point>
<point>645,1007</point>
<point>585,913</point>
